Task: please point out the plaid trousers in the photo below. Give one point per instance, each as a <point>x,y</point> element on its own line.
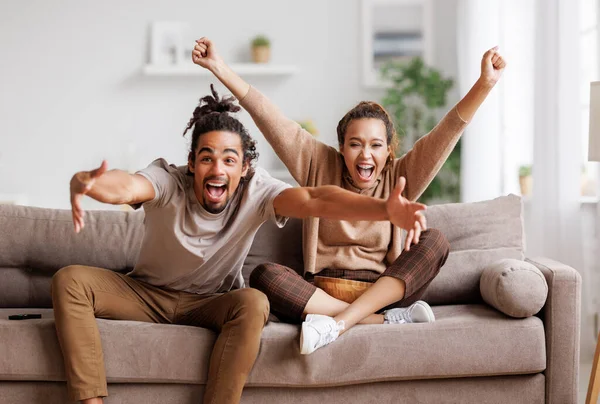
<point>288,292</point>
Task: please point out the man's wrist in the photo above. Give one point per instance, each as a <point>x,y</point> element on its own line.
<point>384,207</point>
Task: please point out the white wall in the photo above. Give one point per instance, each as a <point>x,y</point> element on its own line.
<point>72,92</point>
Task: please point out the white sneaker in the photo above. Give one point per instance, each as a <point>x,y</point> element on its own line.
<point>318,331</point>
<point>418,312</point>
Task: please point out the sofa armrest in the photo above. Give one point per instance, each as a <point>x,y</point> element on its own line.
<point>562,318</point>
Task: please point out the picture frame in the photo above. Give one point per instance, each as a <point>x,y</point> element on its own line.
<point>394,30</point>
<point>167,43</point>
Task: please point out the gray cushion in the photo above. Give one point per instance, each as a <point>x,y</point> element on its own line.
<point>479,234</point>
<point>473,340</point>
<point>36,240</point>
<point>23,287</point>
<point>44,240</point>
<point>516,288</point>
<point>272,244</point>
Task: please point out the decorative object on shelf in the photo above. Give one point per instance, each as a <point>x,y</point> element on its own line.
<point>261,49</point>
<point>13,199</point>
<point>415,94</point>
<point>309,126</point>
<point>589,183</point>
<point>394,30</point>
<point>525,180</point>
<point>167,43</point>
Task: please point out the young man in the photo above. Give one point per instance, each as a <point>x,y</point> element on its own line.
<point>200,221</point>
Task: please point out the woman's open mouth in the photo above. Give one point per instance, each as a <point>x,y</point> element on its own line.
<point>365,171</point>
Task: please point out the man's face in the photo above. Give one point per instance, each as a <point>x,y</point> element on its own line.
<point>218,168</point>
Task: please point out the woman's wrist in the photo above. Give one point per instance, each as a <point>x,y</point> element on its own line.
<point>485,83</point>
<point>218,68</point>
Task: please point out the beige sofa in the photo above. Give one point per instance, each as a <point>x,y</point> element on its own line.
<point>471,354</point>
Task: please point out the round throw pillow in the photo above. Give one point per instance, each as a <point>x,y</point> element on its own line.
<point>516,288</point>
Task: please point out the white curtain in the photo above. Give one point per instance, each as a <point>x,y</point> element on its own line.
<point>478,29</point>
<point>500,138</point>
<point>554,209</point>
<point>539,93</point>
<point>554,218</point>
<point>556,201</point>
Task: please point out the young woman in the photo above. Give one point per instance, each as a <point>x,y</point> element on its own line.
<point>355,251</point>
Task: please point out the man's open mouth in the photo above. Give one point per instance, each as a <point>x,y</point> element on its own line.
<point>215,191</point>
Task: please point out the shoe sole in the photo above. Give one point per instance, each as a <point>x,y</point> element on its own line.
<point>430,315</point>
<point>304,349</point>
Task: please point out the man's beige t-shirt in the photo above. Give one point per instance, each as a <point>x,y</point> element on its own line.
<point>189,249</point>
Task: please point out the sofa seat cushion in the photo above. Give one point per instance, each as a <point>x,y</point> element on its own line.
<point>465,340</point>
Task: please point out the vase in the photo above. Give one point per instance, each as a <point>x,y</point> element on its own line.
<point>526,184</point>
<point>261,54</point>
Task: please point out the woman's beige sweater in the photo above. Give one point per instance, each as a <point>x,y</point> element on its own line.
<point>338,243</point>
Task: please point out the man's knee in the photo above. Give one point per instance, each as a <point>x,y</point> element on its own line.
<point>252,302</point>
<point>64,278</point>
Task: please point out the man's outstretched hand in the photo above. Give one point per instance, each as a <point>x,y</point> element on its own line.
<point>406,214</point>
<point>81,183</point>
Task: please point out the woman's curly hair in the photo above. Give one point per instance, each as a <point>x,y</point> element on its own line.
<point>212,114</point>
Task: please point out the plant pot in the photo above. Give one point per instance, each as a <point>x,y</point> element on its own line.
<point>342,289</point>
<point>526,185</point>
<point>261,54</point>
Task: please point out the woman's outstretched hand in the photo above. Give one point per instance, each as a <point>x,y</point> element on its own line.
<point>205,54</point>
<point>406,214</point>
<point>492,66</point>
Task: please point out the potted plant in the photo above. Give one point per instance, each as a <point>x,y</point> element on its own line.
<point>525,180</point>
<point>309,126</point>
<point>261,49</point>
<point>415,96</point>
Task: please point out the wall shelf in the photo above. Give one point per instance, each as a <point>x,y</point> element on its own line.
<point>243,69</point>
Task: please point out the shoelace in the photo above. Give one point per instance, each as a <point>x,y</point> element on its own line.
<point>327,336</point>
<point>398,317</point>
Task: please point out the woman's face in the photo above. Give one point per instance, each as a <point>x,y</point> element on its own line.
<point>365,150</point>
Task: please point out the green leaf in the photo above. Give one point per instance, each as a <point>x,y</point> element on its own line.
<point>416,95</point>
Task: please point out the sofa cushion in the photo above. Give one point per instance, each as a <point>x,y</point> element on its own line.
<point>274,244</point>
<point>36,242</point>
<point>24,287</point>
<point>44,240</point>
<point>40,241</point>
<point>479,233</point>
<point>466,340</point>
<point>516,288</point>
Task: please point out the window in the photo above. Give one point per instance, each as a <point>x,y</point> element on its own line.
<point>588,49</point>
